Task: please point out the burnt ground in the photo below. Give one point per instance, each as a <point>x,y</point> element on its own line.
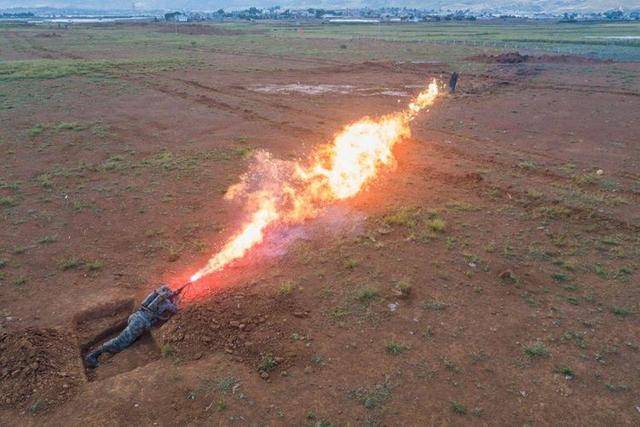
<point>488,278</point>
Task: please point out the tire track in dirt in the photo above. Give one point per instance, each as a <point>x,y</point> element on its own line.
<point>11,38</point>
<point>207,101</point>
<point>215,104</point>
<point>245,94</point>
<point>241,92</point>
<point>50,53</point>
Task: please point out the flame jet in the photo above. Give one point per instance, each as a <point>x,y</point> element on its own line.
<point>277,191</point>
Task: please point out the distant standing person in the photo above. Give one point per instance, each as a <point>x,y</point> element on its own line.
<point>453,81</point>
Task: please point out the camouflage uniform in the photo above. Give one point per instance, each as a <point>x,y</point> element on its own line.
<point>138,323</point>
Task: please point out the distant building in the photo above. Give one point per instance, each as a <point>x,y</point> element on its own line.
<point>354,21</point>
<point>176,17</point>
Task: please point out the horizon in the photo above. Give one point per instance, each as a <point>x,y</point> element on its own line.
<point>554,7</point>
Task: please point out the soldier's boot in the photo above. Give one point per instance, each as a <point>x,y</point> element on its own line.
<point>91,359</point>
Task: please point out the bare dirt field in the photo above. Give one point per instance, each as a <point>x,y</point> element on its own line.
<point>490,277</point>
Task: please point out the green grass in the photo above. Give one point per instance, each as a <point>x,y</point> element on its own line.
<point>404,217</point>
<point>458,408</point>
<point>617,387</point>
<point>45,180</point>
<point>424,225</point>
<point>226,384</point>
<point>461,206</point>
<point>566,371</point>
<point>15,186</point>
<point>395,348</point>
<point>560,277</point>
<point>621,312</point>
<point>339,313</point>
<point>436,224</point>
<point>19,250</point>
<point>167,350</point>
<point>36,130</point>
<point>527,165</point>
<point>366,295</point>
<point>8,201</point>
<point>573,300</point>
<point>37,406</point>
<point>450,42</point>
<point>69,264</point>
<point>586,178</point>
<point>551,212</point>
<point>45,69</point>
<point>563,38</point>
<point>350,263</point>
<point>534,194</point>
<point>286,288</point>
<point>403,287</point>
<point>433,304</point>
<point>374,397</point>
<point>75,126</point>
<point>94,265</point>
<point>267,364</point>
<point>508,277</point>
<point>576,337</point>
<point>536,350</point>
<point>244,152</point>
<point>47,240</point>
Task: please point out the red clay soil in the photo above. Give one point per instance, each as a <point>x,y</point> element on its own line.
<point>253,328</point>
<point>511,215</point>
<point>37,362</point>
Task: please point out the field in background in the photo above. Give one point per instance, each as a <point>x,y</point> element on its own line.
<point>616,41</point>
<point>489,277</point>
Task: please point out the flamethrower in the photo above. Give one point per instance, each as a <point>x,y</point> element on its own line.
<point>178,292</point>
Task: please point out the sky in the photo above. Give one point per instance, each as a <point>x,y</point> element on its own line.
<point>207,5</point>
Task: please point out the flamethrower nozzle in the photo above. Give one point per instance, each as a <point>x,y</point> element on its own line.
<point>182,288</point>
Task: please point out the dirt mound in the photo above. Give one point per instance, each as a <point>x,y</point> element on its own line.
<point>508,58</point>
<point>256,329</point>
<point>517,58</point>
<point>47,35</point>
<point>38,368</point>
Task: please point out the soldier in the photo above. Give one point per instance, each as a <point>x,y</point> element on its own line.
<point>453,81</point>
<point>159,305</point>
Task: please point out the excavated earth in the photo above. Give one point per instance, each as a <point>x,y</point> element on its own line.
<point>38,364</point>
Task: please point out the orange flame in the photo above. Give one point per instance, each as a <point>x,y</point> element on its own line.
<point>279,191</point>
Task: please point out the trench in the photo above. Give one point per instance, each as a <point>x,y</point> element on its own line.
<point>99,324</point>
